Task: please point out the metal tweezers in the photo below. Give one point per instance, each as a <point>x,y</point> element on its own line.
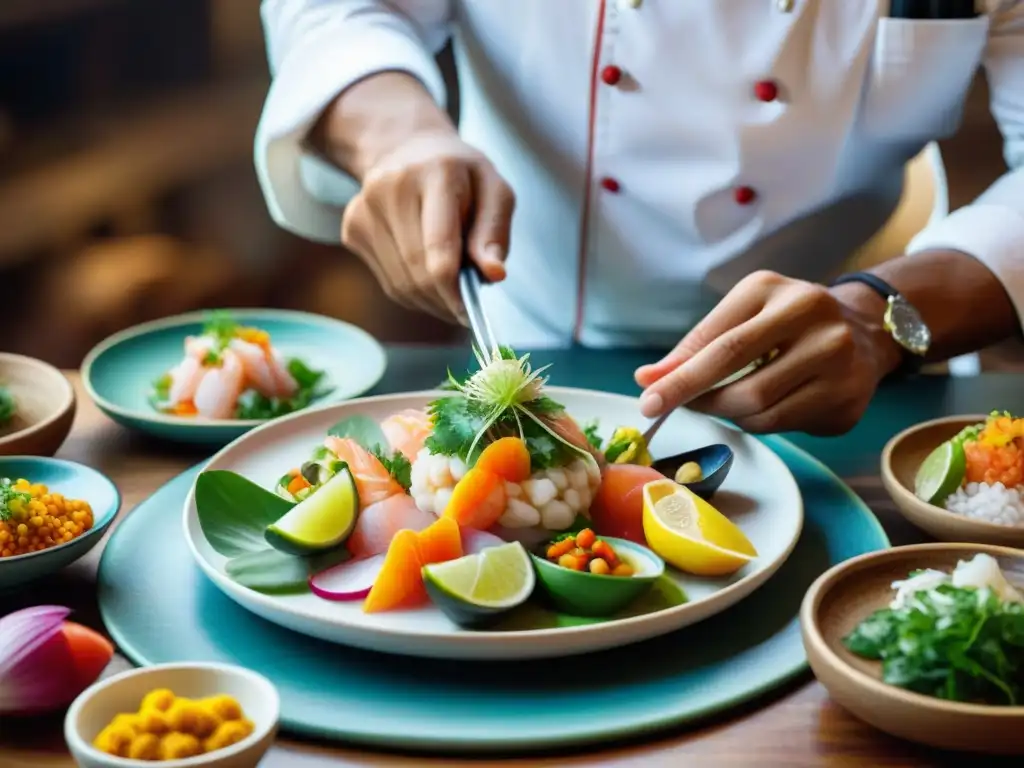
<point>480,328</point>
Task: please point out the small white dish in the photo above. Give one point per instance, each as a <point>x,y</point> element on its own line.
<point>97,705</point>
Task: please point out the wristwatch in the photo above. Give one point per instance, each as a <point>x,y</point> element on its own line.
<point>901,320</point>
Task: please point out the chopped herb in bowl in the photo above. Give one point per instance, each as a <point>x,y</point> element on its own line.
<point>957,636</point>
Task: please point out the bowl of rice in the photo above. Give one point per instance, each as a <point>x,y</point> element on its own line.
<point>960,478</point>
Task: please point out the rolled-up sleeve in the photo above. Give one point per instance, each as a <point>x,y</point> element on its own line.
<point>991,229</point>
<point>317,49</point>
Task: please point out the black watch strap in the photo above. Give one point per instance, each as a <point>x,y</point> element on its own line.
<point>874,282</point>
<point>911,363</point>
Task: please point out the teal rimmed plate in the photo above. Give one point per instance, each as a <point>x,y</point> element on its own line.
<point>118,374</point>
<point>448,706</point>
<point>75,481</point>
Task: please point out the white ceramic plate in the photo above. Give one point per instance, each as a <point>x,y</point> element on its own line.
<point>760,495</point>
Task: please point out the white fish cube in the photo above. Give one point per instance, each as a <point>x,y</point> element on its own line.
<point>424,501</point>
<point>556,515</point>
<point>513,490</point>
<point>457,468</point>
<point>519,514</point>
<point>572,497</point>
<point>540,491</point>
<point>558,477</point>
<point>441,498</point>
<point>440,476</point>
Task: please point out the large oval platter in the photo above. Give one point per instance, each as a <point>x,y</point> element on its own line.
<point>759,495</point>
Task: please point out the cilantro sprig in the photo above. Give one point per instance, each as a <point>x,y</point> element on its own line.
<point>9,494</point>
<point>956,643</point>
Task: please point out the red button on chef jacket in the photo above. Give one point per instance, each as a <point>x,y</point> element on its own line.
<point>766,90</point>
<point>744,195</point>
<point>611,74</point>
<point>610,184</point>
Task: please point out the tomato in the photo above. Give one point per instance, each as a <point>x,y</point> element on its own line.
<point>618,508</point>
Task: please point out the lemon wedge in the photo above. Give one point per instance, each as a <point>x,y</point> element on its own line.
<point>690,534</point>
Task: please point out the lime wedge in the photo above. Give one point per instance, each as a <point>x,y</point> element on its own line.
<point>941,473</point>
<point>476,589</point>
<point>320,521</point>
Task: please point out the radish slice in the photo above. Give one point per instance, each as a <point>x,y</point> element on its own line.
<point>474,541</point>
<point>350,580</point>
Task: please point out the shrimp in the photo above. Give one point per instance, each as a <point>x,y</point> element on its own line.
<point>185,378</point>
<point>373,481</point>
<point>406,431</point>
<point>199,346</point>
<point>265,372</point>
<point>218,391</point>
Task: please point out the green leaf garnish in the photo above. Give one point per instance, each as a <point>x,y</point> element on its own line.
<point>363,429</point>
<point>274,572</point>
<point>504,397</point>
<point>234,512</point>
<point>590,432</point>
<point>961,644</point>
<point>7,406</point>
<point>221,326</point>
<point>397,465</point>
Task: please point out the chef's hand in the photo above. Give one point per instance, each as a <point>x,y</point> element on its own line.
<point>407,222</point>
<point>427,197</point>
<point>832,353</point>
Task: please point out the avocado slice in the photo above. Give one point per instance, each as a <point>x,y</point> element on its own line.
<point>320,521</point>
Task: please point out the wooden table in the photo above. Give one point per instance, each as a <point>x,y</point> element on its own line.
<point>799,726</point>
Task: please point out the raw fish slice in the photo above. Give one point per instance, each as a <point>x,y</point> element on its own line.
<point>185,378</point>
<point>379,522</point>
<point>565,426</point>
<point>373,482</point>
<point>286,383</point>
<point>257,368</point>
<point>406,431</point>
<point>217,393</point>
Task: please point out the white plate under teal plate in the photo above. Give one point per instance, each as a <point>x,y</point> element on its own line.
<point>760,495</point>
<point>119,372</point>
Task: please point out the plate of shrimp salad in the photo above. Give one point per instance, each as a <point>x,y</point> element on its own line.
<point>234,371</point>
<point>207,377</point>
<point>434,523</point>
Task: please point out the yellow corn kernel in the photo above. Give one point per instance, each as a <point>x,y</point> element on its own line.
<point>230,732</point>
<point>114,740</point>
<point>175,746</point>
<point>145,747</point>
<point>160,699</point>
<point>224,707</point>
<point>152,720</point>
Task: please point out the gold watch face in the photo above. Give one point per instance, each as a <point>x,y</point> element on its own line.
<point>906,326</point>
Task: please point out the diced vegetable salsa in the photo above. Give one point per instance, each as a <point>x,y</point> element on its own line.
<point>584,551</point>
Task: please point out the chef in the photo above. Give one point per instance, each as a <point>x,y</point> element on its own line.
<point>662,173</point>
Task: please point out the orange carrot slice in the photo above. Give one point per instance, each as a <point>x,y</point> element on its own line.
<point>440,541</point>
<point>508,458</point>
<point>478,499</point>
<point>399,583</point>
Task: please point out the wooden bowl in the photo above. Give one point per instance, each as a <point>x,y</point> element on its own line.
<point>45,407</point>
<point>902,457</point>
<point>848,593</point>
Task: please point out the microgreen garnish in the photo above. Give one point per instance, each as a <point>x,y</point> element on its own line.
<point>221,326</point>
<point>11,497</point>
<point>590,432</point>
<point>504,397</point>
<point>397,465</point>
<point>7,405</point>
<point>957,643</point>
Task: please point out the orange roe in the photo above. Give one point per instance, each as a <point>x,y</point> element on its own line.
<point>997,454</point>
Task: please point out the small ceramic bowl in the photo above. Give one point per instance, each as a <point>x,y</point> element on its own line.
<point>74,481</point>
<point>714,461</point>
<point>118,373</point>
<point>582,593</point>
<point>902,457</point>
<point>97,705</point>
<point>44,407</point>
<point>847,594</point>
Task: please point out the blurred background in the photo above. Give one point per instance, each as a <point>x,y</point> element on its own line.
<point>127,189</point>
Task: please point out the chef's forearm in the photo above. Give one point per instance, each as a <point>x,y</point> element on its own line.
<point>963,303</point>
<point>374,116</point>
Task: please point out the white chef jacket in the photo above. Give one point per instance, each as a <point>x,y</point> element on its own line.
<point>661,149</point>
